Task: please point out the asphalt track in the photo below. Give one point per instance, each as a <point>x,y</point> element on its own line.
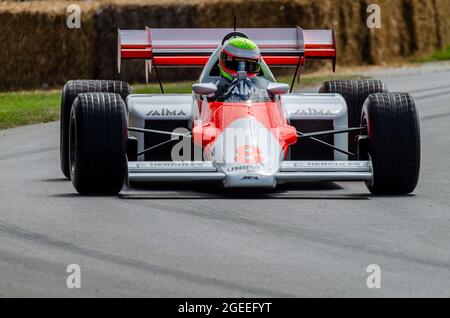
<point>199,241</point>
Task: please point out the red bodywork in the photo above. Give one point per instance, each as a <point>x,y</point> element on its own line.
<point>220,115</point>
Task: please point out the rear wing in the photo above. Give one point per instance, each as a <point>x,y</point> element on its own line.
<point>193,47</point>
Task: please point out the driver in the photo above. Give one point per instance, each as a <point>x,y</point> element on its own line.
<point>237,55</point>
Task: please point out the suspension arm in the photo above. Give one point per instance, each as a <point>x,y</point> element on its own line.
<point>331,132</point>
<point>161,132</point>
<point>302,135</point>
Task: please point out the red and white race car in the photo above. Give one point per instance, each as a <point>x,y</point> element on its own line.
<point>348,131</point>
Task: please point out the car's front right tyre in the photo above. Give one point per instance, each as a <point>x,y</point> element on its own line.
<point>97,143</point>
<point>69,93</point>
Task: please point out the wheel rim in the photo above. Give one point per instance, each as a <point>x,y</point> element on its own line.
<point>365,122</point>
<point>72,143</point>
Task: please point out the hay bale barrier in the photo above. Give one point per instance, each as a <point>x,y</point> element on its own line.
<point>39,50</point>
<point>131,15</point>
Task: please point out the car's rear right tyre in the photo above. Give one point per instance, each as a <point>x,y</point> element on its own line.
<point>393,142</point>
<point>355,93</point>
<point>69,93</point>
<point>97,143</point>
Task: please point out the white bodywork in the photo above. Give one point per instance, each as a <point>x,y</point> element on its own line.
<point>158,107</point>
<point>319,107</point>
<point>220,165</point>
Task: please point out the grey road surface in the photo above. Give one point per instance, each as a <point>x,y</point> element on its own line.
<point>200,241</point>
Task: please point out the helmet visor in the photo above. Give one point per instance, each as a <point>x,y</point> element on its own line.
<point>237,64</point>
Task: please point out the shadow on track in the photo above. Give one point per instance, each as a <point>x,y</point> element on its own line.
<point>55,180</point>
<point>206,191</point>
<point>183,191</point>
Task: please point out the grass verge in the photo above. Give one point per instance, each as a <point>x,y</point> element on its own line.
<point>439,55</point>
<point>23,108</point>
<point>31,107</point>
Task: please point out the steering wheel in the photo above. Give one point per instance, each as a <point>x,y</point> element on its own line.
<point>233,34</point>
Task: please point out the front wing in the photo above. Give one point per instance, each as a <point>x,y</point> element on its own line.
<point>290,171</point>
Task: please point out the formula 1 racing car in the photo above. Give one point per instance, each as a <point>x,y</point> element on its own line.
<point>252,135</point>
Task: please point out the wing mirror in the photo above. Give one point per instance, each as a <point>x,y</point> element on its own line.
<point>204,88</point>
<point>278,88</point>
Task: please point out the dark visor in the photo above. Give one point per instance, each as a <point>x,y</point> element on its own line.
<point>239,64</point>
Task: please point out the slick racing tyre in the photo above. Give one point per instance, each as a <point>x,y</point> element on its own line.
<point>354,93</point>
<point>97,143</point>
<point>393,142</point>
<point>69,93</point>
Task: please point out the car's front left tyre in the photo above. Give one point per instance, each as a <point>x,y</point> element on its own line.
<point>97,143</point>
<point>393,142</point>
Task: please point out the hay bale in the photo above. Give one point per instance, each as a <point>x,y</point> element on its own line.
<point>39,50</point>
<point>134,16</point>
<point>389,43</point>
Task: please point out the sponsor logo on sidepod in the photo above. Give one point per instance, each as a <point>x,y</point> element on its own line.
<point>165,112</point>
<point>313,112</point>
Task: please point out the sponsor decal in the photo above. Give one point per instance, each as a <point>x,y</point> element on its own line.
<point>165,112</point>
<point>311,111</point>
<point>244,88</point>
<point>324,164</point>
<point>148,165</point>
<point>250,178</point>
<point>245,168</point>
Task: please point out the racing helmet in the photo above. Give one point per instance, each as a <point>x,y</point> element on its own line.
<point>239,54</point>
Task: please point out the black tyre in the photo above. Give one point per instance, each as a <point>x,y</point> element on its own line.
<point>69,93</point>
<point>97,143</point>
<point>394,142</point>
<point>354,93</point>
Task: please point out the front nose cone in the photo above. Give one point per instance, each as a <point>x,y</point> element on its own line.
<point>248,153</point>
<point>248,176</point>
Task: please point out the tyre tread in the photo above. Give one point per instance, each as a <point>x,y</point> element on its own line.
<point>394,134</point>
<point>101,147</point>
<point>69,93</point>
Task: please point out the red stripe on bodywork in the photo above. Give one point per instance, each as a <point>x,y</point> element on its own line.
<point>281,60</point>
<point>202,60</point>
<point>136,53</point>
<point>181,60</point>
<point>135,46</point>
<point>198,60</point>
<point>320,53</point>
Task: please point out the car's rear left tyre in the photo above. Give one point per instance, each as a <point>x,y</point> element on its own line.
<point>69,93</point>
<point>97,143</point>
<point>355,93</point>
<point>393,142</point>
